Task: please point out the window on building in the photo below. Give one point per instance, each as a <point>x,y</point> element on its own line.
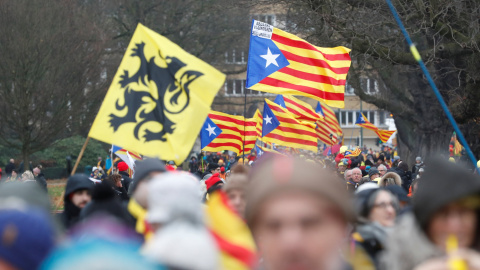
<point>350,120</point>
<point>229,87</point>
<point>343,118</point>
<point>266,18</point>
<point>349,89</point>
<point>371,117</point>
<point>381,117</point>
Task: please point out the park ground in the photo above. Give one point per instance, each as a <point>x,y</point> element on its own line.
<point>55,191</point>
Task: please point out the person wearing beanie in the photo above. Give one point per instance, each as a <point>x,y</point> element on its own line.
<point>446,209</point>
<point>376,210</point>
<point>373,173</point>
<point>28,237</point>
<point>212,184</point>
<point>181,239</point>
<point>235,190</point>
<point>288,195</point>
<point>77,195</point>
<point>223,173</point>
<point>122,168</point>
<point>137,206</point>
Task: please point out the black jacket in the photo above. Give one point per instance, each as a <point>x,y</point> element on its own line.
<point>71,213</point>
<point>9,168</point>
<point>406,177</point>
<point>40,178</point>
<point>126,180</point>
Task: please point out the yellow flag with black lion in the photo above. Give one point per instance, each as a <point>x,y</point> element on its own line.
<point>158,100</point>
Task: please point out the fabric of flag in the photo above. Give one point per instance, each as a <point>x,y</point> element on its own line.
<point>354,153</point>
<point>282,63</point>
<point>232,235</point>
<point>384,135</point>
<point>158,100</point>
<point>299,109</point>
<point>129,157</point>
<point>230,133</point>
<point>262,150</point>
<point>290,132</point>
<point>270,121</point>
<point>330,118</point>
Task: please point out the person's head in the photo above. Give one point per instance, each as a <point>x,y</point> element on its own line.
<point>347,175</point>
<point>94,170</point>
<point>376,205</point>
<point>298,214</point>
<point>115,180</point>
<point>235,190</point>
<point>174,197</point>
<point>356,175</point>
<point>447,203</point>
<point>14,173</point>
<point>382,170</point>
<point>403,166</point>
<point>381,159</point>
<point>36,171</point>
<point>145,170</point>
<point>99,158</point>
<point>12,160</point>
<point>373,173</point>
<point>122,166</point>
<point>213,168</point>
<point>342,167</point>
<point>27,175</point>
<point>389,179</point>
<point>418,160</point>
<point>213,183</point>
<point>78,190</point>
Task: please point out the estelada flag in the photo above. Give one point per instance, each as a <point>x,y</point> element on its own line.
<point>158,100</point>
<point>282,63</point>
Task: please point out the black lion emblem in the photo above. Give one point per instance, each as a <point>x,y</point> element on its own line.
<point>164,79</point>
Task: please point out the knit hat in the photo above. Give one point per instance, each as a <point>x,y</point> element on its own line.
<point>215,178</point>
<point>236,181</point>
<point>27,237</point>
<point>418,159</point>
<point>94,169</point>
<point>122,166</point>
<point>373,171</point>
<point>276,174</point>
<point>142,169</point>
<point>222,169</point>
<point>174,197</point>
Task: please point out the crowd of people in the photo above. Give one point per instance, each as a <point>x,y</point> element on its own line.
<point>303,212</point>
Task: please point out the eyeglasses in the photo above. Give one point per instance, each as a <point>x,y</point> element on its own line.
<point>384,205</point>
<point>356,174</point>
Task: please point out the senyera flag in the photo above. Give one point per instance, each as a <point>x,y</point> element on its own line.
<point>282,63</point>
<point>222,131</point>
<point>158,100</point>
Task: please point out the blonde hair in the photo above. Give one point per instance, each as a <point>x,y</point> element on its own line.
<point>28,175</point>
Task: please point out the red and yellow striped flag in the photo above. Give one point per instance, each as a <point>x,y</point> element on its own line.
<point>238,251</point>
<point>384,135</point>
<point>290,132</point>
<point>301,110</point>
<point>234,130</point>
<point>282,63</point>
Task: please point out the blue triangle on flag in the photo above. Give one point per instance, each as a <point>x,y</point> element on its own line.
<point>319,110</point>
<point>259,151</point>
<point>360,119</point>
<point>280,101</point>
<point>209,132</point>
<point>270,121</point>
<point>264,58</point>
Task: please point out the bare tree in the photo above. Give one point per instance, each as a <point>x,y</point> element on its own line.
<point>50,71</point>
<point>447,34</point>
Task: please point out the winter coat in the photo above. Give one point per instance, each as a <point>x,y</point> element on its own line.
<point>71,212</point>
<point>372,237</point>
<point>408,246</point>
<point>405,176</point>
<point>126,180</point>
<point>40,178</point>
<point>417,167</point>
<point>391,175</point>
<point>9,168</point>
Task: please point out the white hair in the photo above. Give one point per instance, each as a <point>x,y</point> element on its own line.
<point>356,168</point>
<point>381,165</point>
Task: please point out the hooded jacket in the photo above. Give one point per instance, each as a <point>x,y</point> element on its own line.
<point>391,175</point>
<point>71,212</point>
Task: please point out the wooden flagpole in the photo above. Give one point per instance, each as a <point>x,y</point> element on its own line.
<point>80,156</point>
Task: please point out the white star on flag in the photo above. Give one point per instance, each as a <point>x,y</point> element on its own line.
<point>270,58</point>
<point>268,120</point>
<point>211,130</point>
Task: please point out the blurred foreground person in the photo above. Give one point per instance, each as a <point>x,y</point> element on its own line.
<point>145,171</point>
<point>235,190</point>
<point>181,240</point>
<point>298,214</point>
<point>27,237</point>
<point>77,195</point>
<point>444,227</point>
<point>376,210</point>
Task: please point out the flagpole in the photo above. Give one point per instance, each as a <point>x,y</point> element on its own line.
<point>80,156</point>
<point>244,120</point>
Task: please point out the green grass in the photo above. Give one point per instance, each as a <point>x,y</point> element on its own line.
<point>55,191</point>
